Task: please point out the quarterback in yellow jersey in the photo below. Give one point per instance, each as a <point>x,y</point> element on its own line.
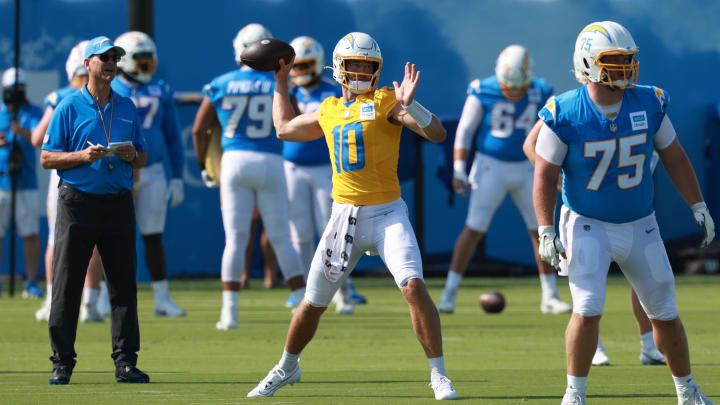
<point>362,130</point>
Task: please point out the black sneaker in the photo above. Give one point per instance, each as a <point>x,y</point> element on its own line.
<point>130,374</point>
<point>60,375</point>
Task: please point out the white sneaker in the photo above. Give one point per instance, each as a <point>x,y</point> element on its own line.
<point>103,302</point>
<point>343,305</point>
<point>89,313</point>
<point>166,307</point>
<point>573,397</point>
<point>443,388</point>
<point>275,379</point>
<point>447,301</point>
<point>693,397</point>
<point>652,357</point>
<point>553,305</point>
<point>600,358</point>
<point>228,319</point>
<point>43,314</point>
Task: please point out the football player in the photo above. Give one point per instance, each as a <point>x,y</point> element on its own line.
<point>307,170</point>
<point>156,109</point>
<point>601,136</point>
<point>93,302</point>
<point>251,171</point>
<point>504,107</point>
<point>362,131</point>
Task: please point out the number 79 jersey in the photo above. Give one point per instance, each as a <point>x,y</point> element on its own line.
<point>364,147</point>
<point>506,123</point>
<point>606,169</point>
<point>243,102</point>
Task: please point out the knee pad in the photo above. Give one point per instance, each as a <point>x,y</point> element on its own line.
<point>589,305</point>
<point>660,302</point>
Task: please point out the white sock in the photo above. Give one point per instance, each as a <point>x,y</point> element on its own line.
<point>577,383</point>
<point>298,294</point>
<point>453,280</point>
<point>160,289</point>
<point>646,339</point>
<point>548,283</point>
<point>230,298</point>
<point>437,366</point>
<point>48,293</point>
<point>90,296</point>
<point>600,345</point>
<point>683,384</point>
<point>288,361</point>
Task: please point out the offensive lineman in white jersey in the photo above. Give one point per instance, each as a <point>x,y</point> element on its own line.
<point>504,107</point>
<point>251,171</point>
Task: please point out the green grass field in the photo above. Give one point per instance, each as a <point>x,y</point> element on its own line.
<point>372,357</point>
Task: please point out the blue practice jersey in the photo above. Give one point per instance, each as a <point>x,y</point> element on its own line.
<point>28,118</point>
<point>159,121</point>
<point>243,101</point>
<point>506,123</point>
<point>314,152</point>
<point>53,99</point>
<point>606,171</point>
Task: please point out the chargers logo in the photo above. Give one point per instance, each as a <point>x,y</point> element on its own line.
<point>599,29</point>
<point>638,120</point>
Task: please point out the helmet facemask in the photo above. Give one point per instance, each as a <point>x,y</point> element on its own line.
<point>628,72</point>
<point>360,83</point>
<point>304,72</point>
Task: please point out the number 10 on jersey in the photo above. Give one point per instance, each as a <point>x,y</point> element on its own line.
<point>341,141</point>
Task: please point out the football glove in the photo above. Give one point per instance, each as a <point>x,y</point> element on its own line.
<point>705,221</point>
<point>460,177</point>
<point>175,193</point>
<point>209,181</point>
<point>550,246</point>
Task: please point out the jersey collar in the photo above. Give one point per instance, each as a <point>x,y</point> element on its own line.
<point>91,101</point>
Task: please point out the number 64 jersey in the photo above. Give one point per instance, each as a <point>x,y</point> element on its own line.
<point>243,102</point>
<point>364,147</point>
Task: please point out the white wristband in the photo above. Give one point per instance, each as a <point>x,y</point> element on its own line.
<point>459,166</point>
<point>698,206</point>
<point>422,116</point>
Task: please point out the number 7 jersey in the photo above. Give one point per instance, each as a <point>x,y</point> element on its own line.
<point>243,102</point>
<point>364,147</point>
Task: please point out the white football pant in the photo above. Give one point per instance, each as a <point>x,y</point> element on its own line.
<point>491,180</point>
<point>151,201</point>
<point>636,247</point>
<point>27,213</point>
<point>52,197</point>
<point>384,228</point>
<point>248,178</point>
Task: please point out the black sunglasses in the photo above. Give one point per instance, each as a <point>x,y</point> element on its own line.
<point>106,57</point>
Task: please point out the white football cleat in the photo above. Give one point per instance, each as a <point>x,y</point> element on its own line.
<point>166,307</point>
<point>275,379</point>
<point>443,388</point>
<point>343,303</point>
<point>103,303</point>
<point>447,301</point>
<point>600,358</point>
<point>228,318</point>
<point>693,397</point>
<point>554,306</point>
<point>573,397</point>
<point>43,314</point>
<point>89,313</point>
<point>652,357</point>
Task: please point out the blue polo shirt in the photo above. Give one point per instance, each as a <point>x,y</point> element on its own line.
<point>76,121</point>
<point>28,118</point>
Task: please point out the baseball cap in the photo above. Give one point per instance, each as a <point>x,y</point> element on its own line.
<point>100,45</point>
<point>8,77</point>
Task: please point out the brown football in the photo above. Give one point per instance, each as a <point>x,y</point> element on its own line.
<point>492,302</point>
<point>265,54</point>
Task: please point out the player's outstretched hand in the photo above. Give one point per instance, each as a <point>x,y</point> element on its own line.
<point>705,221</point>
<point>282,74</point>
<point>405,91</point>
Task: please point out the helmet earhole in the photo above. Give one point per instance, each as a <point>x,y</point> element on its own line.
<point>587,66</point>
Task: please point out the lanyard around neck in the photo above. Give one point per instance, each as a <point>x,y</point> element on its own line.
<point>107,132</point>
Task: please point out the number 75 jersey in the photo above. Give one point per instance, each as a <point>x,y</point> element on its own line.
<point>243,102</point>
<point>505,123</point>
<point>364,147</point>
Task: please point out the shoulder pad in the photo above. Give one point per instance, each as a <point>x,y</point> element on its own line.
<point>474,87</point>
<point>662,96</point>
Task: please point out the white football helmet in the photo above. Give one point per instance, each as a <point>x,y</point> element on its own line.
<point>140,59</point>
<point>307,51</point>
<point>514,71</point>
<point>247,35</point>
<point>600,39</point>
<point>75,64</point>
<point>357,46</point>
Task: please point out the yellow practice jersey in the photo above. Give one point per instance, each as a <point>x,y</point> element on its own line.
<point>364,147</point>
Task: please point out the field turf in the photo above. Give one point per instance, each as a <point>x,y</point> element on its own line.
<point>372,357</point>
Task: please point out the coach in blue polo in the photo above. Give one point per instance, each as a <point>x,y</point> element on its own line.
<point>94,141</point>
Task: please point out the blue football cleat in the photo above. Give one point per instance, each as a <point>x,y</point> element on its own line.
<point>31,291</point>
<point>291,302</point>
<point>354,296</point>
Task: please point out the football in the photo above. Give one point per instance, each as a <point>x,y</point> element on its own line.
<point>265,54</point>
<point>492,302</point>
